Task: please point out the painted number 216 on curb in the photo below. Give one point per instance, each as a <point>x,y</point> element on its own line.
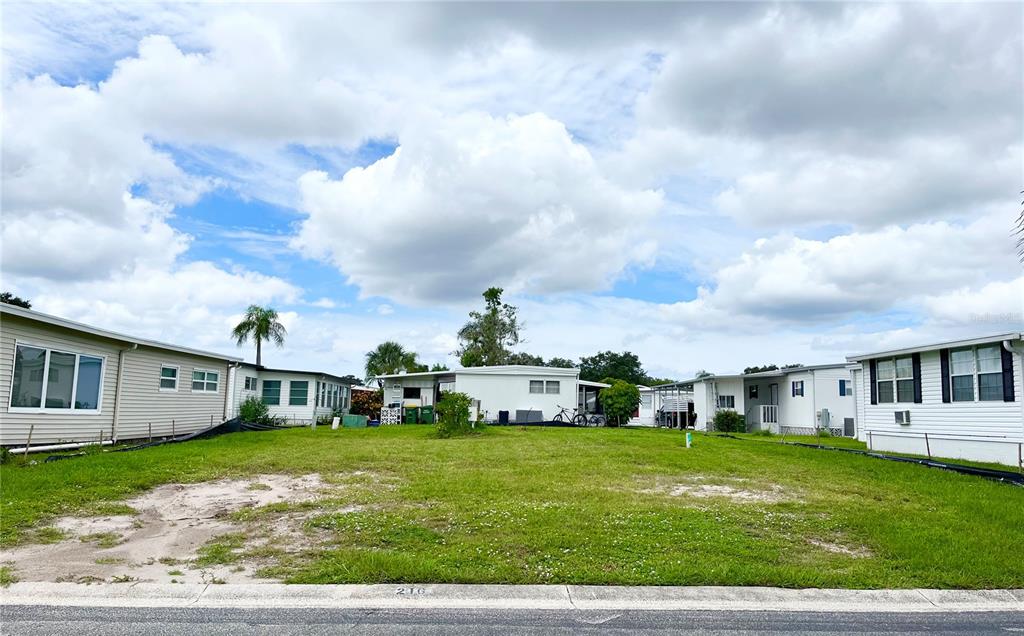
<point>410,591</point>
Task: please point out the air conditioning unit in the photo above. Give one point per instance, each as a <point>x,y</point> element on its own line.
<point>824,418</point>
<point>903,418</point>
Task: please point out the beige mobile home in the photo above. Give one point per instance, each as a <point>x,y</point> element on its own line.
<point>66,382</point>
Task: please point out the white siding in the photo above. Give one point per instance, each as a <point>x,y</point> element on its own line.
<point>512,393</point>
<point>394,390</point>
<point>826,395</point>
<point>995,427</point>
<point>184,411</point>
<point>53,428</point>
<point>292,413</point>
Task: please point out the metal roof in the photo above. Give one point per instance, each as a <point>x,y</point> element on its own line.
<point>504,369</point>
<point>57,321</point>
<point>949,344</point>
<point>329,375</point>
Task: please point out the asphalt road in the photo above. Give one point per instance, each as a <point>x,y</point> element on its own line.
<point>89,621</point>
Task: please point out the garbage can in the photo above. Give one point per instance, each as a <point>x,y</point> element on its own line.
<point>412,414</point>
<point>426,415</point>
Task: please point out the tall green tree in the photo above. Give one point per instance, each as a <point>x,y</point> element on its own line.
<point>391,357</point>
<point>437,366</point>
<point>609,364</point>
<point>259,324</point>
<point>486,339</point>
<point>10,299</point>
<point>521,357</point>
<point>561,363</point>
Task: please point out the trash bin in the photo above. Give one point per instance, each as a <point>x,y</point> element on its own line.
<point>503,418</point>
<point>426,415</point>
<point>411,415</point>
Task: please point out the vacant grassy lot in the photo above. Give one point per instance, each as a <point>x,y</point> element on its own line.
<point>589,506</point>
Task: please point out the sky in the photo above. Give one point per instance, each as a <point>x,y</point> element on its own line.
<point>709,186</point>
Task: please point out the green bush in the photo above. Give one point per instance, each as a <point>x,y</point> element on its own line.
<point>824,432</point>
<point>619,402</point>
<point>730,422</point>
<point>5,455</point>
<point>253,410</point>
<point>452,413</point>
<point>764,432</point>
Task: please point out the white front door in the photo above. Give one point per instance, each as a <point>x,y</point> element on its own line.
<point>773,394</point>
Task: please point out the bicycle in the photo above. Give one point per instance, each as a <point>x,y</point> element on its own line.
<point>597,420</point>
<point>576,418</point>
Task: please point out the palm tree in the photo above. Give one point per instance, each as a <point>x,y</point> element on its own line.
<point>389,357</point>
<point>259,323</point>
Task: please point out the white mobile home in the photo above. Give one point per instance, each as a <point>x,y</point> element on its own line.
<point>299,397</point>
<point>796,400</point>
<point>958,399</point>
<point>66,382</point>
<point>527,393</point>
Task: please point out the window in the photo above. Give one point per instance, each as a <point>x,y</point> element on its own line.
<point>726,401</point>
<point>335,390</point>
<point>536,386</point>
<point>752,392</point>
<point>204,381</point>
<point>904,380</point>
<point>271,392</point>
<point>168,378</point>
<point>409,393</point>
<point>845,388</point>
<point>895,379</point>
<point>552,387</point>
<point>250,383</point>
<point>961,372</point>
<point>645,400</point>
<point>985,363</point>
<point>44,379</point>
<point>298,393</point>
<point>798,388</point>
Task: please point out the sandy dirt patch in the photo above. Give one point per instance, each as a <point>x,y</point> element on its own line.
<point>160,542</point>
<point>858,552</point>
<point>738,490</point>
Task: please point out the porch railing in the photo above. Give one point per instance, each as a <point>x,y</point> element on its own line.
<point>769,414</point>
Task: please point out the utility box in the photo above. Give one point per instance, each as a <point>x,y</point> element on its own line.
<point>354,421</point>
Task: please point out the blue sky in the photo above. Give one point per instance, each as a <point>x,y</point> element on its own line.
<point>709,186</point>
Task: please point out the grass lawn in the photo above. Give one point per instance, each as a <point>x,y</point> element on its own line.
<point>587,506</point>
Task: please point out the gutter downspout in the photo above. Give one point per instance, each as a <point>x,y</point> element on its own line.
<point>229,387</point>
<point>814,400</point>
<point>117,389</point>
<point>1008,345</point>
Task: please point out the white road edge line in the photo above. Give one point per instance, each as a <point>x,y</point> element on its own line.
<point>553,597</point>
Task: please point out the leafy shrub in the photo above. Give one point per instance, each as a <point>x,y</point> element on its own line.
<point>5,455</point>
<point>764,432</point>
<point>619,401</point>
<point>452,412</point>
<point>730,422</point>
<point>253,410</point>
<point>368,403</point>
<point>824,432</point>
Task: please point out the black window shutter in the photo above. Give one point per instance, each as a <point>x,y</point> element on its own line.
<point>873,370</point>
<point>944,363</point>
<point>915,360</point>
<point>1007,375</point>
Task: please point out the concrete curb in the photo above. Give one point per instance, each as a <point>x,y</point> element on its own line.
<point>555,597</point>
